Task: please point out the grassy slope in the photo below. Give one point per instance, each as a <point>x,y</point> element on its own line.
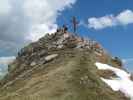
<point>72,76</point>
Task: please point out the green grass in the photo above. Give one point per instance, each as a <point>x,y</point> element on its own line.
<point>72,76</point>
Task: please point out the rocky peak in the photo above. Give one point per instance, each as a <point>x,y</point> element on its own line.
<point>59,65</point>
<point>59,40</point>
<point>51,45</point>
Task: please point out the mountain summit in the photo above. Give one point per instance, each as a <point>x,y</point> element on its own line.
<point>60,66</point>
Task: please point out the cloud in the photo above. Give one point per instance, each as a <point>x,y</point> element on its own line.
<point>124,18</point>
<point>6,60</point>
<point>5,7</point>
<point>125,61</point>
<point>43,14</point>
<point>23,21</point>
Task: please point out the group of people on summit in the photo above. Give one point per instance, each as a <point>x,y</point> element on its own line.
<point>92,44</point>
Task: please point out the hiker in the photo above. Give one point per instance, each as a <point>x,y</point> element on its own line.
<point>65,28</point>
<point>58,30</point>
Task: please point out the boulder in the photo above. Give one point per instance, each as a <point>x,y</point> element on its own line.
<point>51,57</point>
<point>33,63</point>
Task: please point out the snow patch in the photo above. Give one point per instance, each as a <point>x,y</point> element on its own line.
<point>123,83</point>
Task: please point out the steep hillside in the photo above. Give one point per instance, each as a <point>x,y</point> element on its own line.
<point>60,66</point>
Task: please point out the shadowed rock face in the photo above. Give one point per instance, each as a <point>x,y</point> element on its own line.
<point>58,67</point>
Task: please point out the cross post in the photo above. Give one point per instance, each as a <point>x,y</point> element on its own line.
<point>75,24</point>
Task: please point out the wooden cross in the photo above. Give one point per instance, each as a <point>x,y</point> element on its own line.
<point>75,23</point>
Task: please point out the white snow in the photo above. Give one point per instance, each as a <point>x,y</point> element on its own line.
<point>123,83</point>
